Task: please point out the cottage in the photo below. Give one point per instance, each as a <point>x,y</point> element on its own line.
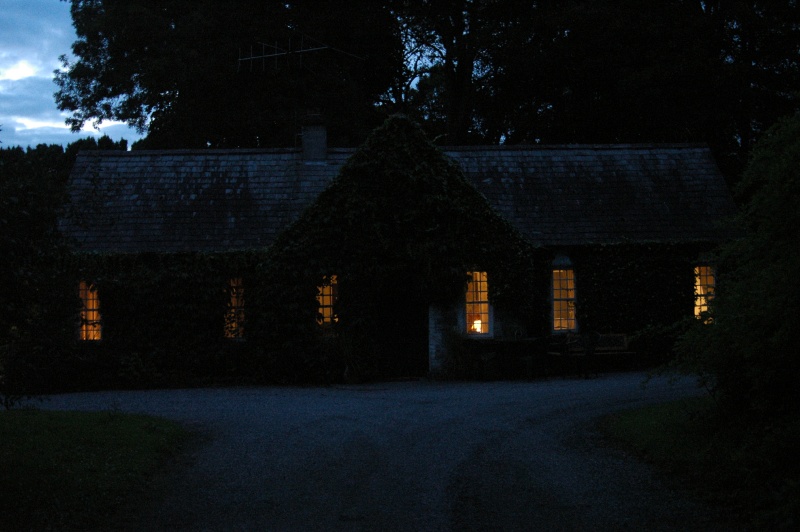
<point>597,241</point>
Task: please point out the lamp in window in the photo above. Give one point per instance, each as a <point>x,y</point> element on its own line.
<point>477,303</point>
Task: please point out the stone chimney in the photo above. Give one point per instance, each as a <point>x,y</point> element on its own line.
<point>315,139</point>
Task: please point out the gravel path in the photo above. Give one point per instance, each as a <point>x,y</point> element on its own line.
<point>410,456</point>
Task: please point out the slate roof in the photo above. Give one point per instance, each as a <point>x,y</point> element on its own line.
<point>220,200</point>
<point>577,195</point>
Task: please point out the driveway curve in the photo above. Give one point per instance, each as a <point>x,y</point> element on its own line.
<point>411,456</point>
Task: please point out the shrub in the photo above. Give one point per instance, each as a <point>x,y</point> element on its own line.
<point>749,355</point>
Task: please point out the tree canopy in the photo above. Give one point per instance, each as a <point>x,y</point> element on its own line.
<point>617,71</point>
<point>173,68</point>
<point>469,71</point>
<point>35,310</point>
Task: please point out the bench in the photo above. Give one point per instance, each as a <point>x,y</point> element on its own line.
<point>588,344</point>
<point>611,343</point>
<point>590,352</point>
<point>566,344</point>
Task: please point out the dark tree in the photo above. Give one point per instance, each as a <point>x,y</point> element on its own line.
<point>749,354</point>
<point>173,68</point>
<point>36,312</point>
<point>470,71</point>
<point>616,71</point>
<point>456,44</point>
<point>31,318</point>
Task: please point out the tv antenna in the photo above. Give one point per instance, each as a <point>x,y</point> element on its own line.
<point>270,53</point>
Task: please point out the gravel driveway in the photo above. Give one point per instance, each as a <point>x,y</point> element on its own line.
<point>410,456</point>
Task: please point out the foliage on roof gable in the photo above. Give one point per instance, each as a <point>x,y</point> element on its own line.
<point>400,222</point>
<point>401,201</point>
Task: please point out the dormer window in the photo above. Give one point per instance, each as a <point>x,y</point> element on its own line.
<point>91,329</point>
<point>327,294</point>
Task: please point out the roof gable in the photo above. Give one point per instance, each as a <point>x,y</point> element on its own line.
<point>219,200</point>
<point>399,201</point>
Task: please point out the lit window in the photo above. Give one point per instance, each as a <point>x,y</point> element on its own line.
<point>477,303</point>
<point>90,327</point>
<point>704,286</point>
<point>234,317</point>
<point>327,293</point>
<point>564,300</point>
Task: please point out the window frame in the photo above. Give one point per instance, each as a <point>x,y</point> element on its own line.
<point>563,299</point>
<point>327,297</point>
<point>476,303</point>
<point>90,327</point>
<point>704,292</point>
<point>235,317</point>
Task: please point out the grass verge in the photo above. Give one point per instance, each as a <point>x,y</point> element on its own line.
<point>77,470</point>
<point>751,471</point>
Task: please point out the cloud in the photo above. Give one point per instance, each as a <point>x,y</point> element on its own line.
<point>30,97</point>
<point>24,131</point>
<point>30,123</point>
<point>21,70</point>
<point>33,34</point>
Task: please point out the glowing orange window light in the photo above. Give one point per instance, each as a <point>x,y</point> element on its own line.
<point>704,287</point>
<point>564,318</point>
<point>234,317</point>
<point>327,294</point>
<point>90,326</point>
<point>477,303</point>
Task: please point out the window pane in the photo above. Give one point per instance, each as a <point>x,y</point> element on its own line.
<point>234,317</point>
<point>90,326</point>
<point>564,316</point>
<point>704,287</point>
<point>327,294</point>
<point>477,303</point>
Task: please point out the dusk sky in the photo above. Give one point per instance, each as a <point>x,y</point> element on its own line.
<point>33,34</point>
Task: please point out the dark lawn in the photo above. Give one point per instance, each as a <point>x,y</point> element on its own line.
<point>78,470</point>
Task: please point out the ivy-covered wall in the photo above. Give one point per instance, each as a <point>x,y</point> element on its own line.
<point>640,290</point>
<point>164,316</point>
<point>626,288</point>
<point>163,320</point>
<point>400,227</point>
<point>636,289</point>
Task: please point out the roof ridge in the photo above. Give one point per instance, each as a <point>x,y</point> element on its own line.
<point>341,150</point>
<point>207,151</point>
<point>575,147</point>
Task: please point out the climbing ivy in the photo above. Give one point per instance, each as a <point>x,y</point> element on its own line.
<point>649,284</point>
<point>163,318</point>
<point>400,227</point>
<point>639,289</point>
